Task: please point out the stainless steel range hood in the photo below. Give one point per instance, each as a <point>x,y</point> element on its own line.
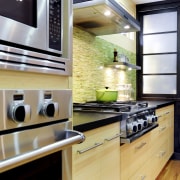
<point>89,16</point>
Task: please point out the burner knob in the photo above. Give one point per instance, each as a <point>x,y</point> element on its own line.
<point>19,112</point>
<point>152,119</point>
<point>143,122</point>
<point>140,126</point>
<point>49,109</point>
<point>149,118</point>
<point>132,127</point>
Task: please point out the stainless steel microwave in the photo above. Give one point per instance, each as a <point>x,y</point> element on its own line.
<point>36,28</point>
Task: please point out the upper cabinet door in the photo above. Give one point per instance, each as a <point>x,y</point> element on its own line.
<point>160,64</point>
<point>160,43</point>
<point>160,22</point>
<point>159,58</point>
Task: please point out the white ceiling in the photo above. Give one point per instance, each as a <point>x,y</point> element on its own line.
<point>144,1</point>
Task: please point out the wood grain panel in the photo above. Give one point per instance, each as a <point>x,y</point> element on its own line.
<point>24,80</point>
<point>130,6</point>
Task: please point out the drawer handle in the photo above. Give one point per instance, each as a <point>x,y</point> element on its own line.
<point>162,128</point>
<point>166,113</point>
<point>141,145</point>
<point>143,177</point>
<point>114,137</point>
<point>163,153</point>
<point>89,148</point>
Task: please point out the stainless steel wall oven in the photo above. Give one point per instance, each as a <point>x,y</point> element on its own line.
<point>36,135</point>
<point>35,35</point>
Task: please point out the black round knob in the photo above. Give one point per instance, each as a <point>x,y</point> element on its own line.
<point>19,113</point>
<point>135,128</point>
<point>153,119</point>
<point>50,110</point>
<point>139,127</point>
<point>156,118</point>
<point>145,123</point>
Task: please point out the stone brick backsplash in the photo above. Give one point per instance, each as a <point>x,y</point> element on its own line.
<point>90,53</point>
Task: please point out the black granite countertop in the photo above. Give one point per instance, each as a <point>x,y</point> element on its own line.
<point>84,121</point>
<point>159,104</point>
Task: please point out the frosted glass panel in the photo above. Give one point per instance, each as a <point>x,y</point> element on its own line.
<point>159,84</point>
<point>159,64</point>
<point>160,22</point>
<point>160,43</point>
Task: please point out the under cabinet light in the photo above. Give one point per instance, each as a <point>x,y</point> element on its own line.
<point>107,13</point>
<point>127,27</point>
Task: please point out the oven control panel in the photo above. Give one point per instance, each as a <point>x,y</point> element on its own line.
<point>20,108</point>
<point>49,108</point>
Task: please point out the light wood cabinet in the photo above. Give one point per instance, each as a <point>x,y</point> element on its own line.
<point>130,6</point>
<point>146,157</point>
<point>166,116</point>
<point>134,155</point>
<point>98,157</point>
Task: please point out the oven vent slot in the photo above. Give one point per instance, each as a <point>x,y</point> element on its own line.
<point>58,65</point>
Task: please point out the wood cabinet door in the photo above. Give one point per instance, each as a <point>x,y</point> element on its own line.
<point>134,155</point>
<point>166,120</point>
<point>110,154</point>
<point>86,157</point>
<point>98,158</point>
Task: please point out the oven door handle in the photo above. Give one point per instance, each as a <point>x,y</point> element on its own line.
<point>75,138</point>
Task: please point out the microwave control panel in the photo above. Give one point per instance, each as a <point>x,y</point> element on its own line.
<point>55,15</point>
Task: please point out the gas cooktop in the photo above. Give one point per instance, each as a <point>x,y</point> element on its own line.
<point>138,117</point>
<point>112,107</point>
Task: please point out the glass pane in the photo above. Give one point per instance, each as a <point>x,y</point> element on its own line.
<point>160,22</point>
<point>160,43</point>
<point>159,84</point>
<point>21,11</point>
<point>159,64</point>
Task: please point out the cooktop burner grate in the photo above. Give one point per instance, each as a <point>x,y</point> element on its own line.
<point>118,106</point>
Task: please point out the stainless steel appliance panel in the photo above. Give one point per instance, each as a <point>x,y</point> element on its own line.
<point>35,126</point>
<point>24,146</point>
<point>45,45</point>
<point>36,36</point>
<point>12,59</point>
<point>137,117</point>
<point>25,107</point>
<point>24,34</point>
<point>103,17</point>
